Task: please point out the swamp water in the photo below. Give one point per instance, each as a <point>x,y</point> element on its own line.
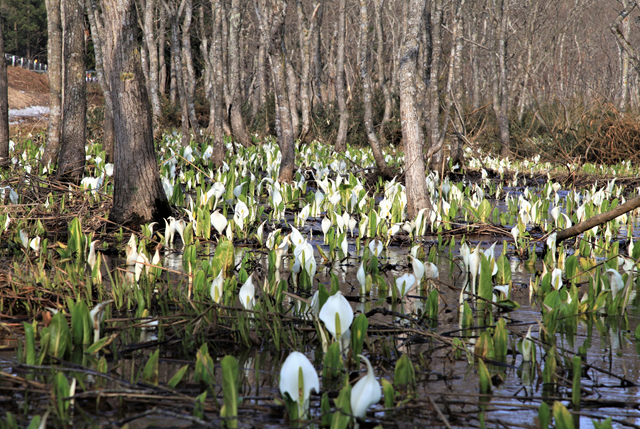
<point>159,361</point>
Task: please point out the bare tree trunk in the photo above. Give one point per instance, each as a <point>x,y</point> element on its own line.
<point>234,107</point>
<point>277,57</point>
<point>262,76</point>
<point>4,106</point>
<point>330,94</point>
<point>620,37</point>
<point>382,80</point>
<point>189,73</point>
<point>500,90</point>
<point>413,139</point>
<point>215,57</point>
<point>162,63</point>
<point>319,86</point>
<point>174,14</point>
<point>138,196</point>
<point>292,85</point>
<point>54,55</point>
<point>97,36</point>
<point>71,158</point>
<point>341,140</point>
<point>624,60</point>
<point>527,71</point>
<point>454,87</point>
<point>475,69</point>
<point>367,93</point>
<point>434,93</point>
<point>306,30</point>
<point>152,49</point>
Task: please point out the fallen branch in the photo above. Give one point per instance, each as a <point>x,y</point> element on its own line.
<point>581,227</point>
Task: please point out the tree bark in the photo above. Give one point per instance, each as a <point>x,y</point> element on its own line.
<point>292,85</point>
<point>306,30</point>
<point>367,92</point>
<point>277,57</point>
<point>453,93</point>
<point>318,84</point>
<point>162,63</point>
<point>177,77</point>
<point>234,106</point>
<point>215,57</point>
<point>434,92</point>
<point>189,73</point>
<point>97,36</point>
<point>500,88</point>
<point>341,140</point>
<point>581,227</point>
<point>71,159</point>
<point>54,55</point>
<point>382,80</point>
<point>138,195</point>
<point>4,106</point>
<point>152,49</point>
<point>413,139</point>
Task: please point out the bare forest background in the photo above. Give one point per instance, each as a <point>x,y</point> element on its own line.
<point>559,78</point>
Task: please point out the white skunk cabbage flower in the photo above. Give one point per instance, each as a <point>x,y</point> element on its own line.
<point>298,378</point>
<point>366,392</point>
<point>247,294</point>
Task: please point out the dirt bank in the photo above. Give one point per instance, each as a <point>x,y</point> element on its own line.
<point>27,88</point>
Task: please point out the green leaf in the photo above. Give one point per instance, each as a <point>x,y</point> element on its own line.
<point>325,408</point>
<point>503,276</point>
<point>61,391</point>
<point>97,346</point>
<point>605,424</point>
<point>432,304</point>
<point>544,416</point>
<point>342,416</point>
<point>485,377</point>
<point>333,367</point>
<point>405,377</point>
<point>223,259</point>
<point>575,388</point>
<point>500,341</point>
<point>389,393</point>
<point>81,324</point>
<point>484,346</point>
<point>485,289</point>
<point>34,423</point>
<point>562,416</point>
<point>59,336</point>
<point>150,372</point>
<point>204,366</point>
<point>230,386</point>
<point>29,344</point>
<point>358,333</point>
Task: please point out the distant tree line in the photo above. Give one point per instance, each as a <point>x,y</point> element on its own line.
<point>435,75</point>
<point>25,28</point>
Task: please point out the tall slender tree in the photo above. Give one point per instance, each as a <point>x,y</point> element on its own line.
<point>417,194</point>
<point>71,158</point>
<point>275,34</point>
<point>138,195</point>
<point>367,93</point>
<point>234,99</point>
<point>4,105</point>
<point>341,140</point>
<point>500,90</point>
<point>97,35</point>
<point>54,54</point>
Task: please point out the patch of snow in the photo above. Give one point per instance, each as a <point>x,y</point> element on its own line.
<point>28,112</point>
